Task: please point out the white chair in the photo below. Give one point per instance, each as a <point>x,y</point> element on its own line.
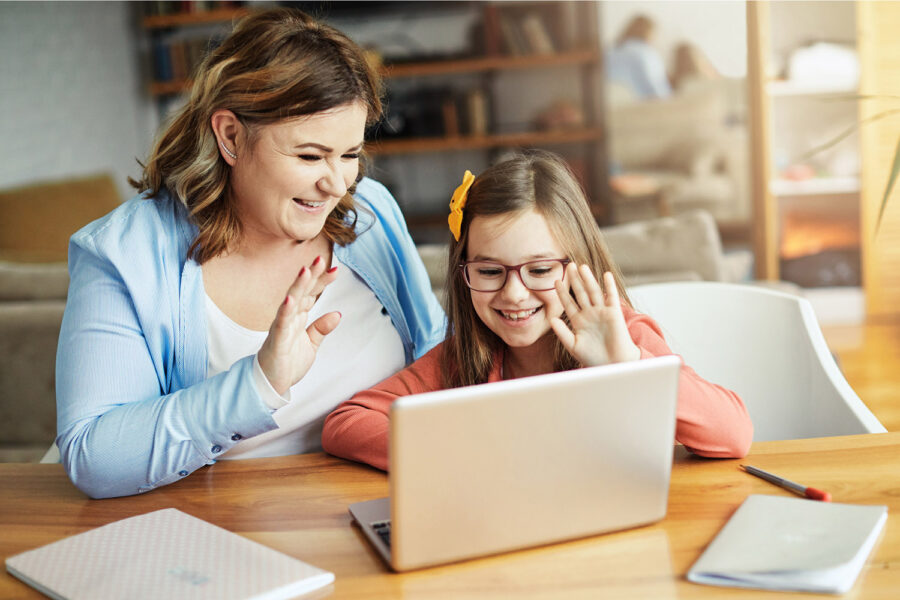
<point>766,346</point>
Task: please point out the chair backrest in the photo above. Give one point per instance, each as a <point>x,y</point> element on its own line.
<point>766,346</point>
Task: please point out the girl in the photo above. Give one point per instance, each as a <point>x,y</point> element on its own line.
<point>523,300</point>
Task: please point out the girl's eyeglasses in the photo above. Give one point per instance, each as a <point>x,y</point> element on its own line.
<point>536,275</point>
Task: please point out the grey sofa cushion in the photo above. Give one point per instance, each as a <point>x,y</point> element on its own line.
<point>33,281</point>
<point>687,244</point>
<point>28,338</point>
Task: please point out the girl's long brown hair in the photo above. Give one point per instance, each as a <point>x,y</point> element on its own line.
<point>536,180</point>
<point>277,64</point>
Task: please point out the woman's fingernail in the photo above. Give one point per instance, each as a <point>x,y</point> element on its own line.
<point>286,298</point>
<point>315,262</point>
<point>332,269</point>
<point>302,271</point>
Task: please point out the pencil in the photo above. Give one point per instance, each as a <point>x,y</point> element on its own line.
<point>809,492</point>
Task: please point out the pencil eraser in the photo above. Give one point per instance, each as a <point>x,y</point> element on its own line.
<point>814,494</point>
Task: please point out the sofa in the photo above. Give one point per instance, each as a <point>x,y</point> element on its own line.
<point>32,300</point>
<point>692,146</point>
<point>36,222</point>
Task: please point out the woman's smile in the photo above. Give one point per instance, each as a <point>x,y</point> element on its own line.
<point>310,206</point>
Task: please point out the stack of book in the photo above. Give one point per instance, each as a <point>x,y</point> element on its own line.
<point>176,59</point>
<point>176,7</point>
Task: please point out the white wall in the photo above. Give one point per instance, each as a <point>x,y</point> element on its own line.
<point>71,97</point>
<point>716,27</point>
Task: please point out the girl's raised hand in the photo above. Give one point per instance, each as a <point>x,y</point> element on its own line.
<point>599,334</point>
<point>289,350</point>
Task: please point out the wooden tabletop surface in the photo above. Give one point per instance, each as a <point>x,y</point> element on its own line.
<point>298,505</point>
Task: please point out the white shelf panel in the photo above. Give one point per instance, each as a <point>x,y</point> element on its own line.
<point>800,88</point>
<point>814,187</point>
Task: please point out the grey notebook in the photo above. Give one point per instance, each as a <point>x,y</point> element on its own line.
<point>791,544</point>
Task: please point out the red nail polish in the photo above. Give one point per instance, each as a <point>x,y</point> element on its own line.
<point>286,298</point>
<point>332,269</point>
<point>302,271</point>
<point>315,262</point>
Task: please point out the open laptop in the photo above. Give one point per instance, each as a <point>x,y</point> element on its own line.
<point>491,468</point>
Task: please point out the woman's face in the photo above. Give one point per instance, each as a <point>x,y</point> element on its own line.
<point>518,315</point>
<point>287,184</point>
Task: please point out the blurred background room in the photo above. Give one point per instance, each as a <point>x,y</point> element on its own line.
<point>748,142</point>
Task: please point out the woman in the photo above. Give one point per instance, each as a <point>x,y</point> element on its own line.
<point>523,300</point>
<point>253,284</point>
<point>635,64</point>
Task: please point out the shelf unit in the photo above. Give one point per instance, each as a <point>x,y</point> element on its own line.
<point>570,27</point>
<point>159,27</point>
<point>577,53</point>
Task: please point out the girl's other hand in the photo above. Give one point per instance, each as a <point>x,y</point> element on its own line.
<point>599,334</point>
<point>289,350</point>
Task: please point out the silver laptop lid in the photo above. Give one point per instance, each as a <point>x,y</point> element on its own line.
<point>496,467</point>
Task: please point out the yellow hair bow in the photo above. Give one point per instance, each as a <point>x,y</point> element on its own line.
<point>458,202</point>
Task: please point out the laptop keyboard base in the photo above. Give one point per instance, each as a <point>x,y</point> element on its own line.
<point>383,530</point>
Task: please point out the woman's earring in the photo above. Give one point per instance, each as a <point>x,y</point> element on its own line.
<point>228,152</point>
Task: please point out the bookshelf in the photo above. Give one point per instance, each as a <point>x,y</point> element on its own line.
<point>502,56</point>
<point>180,34</point>
<point>454,104</point>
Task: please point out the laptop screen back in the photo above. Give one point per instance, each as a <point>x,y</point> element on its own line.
<point>501,466</point>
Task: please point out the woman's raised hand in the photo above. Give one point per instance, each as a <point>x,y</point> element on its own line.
<point>599,334</point>
<point>289,350</point>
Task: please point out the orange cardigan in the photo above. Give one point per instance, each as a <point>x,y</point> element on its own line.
<point>711,420</point>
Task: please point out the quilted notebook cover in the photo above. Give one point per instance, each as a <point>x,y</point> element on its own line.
<point>163,554</point>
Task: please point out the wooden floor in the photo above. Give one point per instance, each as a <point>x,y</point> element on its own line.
<point>869,356</point>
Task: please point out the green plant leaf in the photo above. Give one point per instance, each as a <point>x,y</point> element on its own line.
<point>892,179</point>
<point>845,134</point>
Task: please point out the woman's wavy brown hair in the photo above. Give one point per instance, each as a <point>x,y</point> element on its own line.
<point>277,64</point>
<point>536,180</point>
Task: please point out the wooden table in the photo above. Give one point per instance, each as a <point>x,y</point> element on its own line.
<point>298,505</point>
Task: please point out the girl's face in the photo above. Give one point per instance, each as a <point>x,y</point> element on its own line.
<point>297,172</point>
<point>518,315</point>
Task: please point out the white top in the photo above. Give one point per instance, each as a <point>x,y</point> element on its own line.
<point>363,350</point>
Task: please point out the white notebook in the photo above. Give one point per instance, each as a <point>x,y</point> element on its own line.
<point>791,544</point>
<point>164,554</point>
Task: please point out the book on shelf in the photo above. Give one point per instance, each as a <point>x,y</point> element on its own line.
<point>536,34</point>
<point>162,62</point>
<point>180,67</point>
<point>473,111</point>
<point>164,554</point>
<point>525,34</point>
<point>451,117</point>
<point>176,59</point>
<point>513,38</point>
<point>179,7</point>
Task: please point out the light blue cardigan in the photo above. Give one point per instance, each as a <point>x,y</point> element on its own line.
<point>135,409</point>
